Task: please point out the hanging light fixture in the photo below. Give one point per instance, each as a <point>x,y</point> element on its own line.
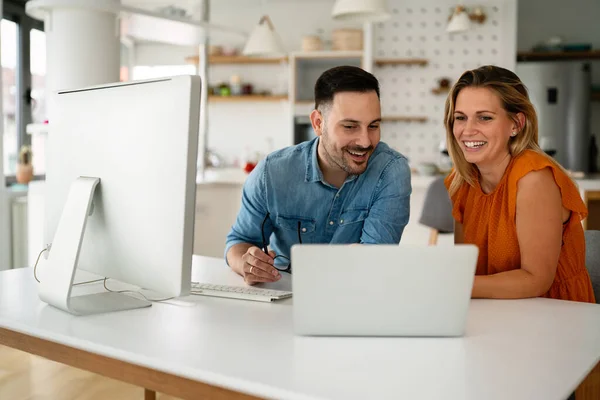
<point>263,40</point>
<point>459,22</point>
<point>360,10</point>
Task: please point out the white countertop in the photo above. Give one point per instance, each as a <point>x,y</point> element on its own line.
<point>237,176</point>
<point>523,349</point>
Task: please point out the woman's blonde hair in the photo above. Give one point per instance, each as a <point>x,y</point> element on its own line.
<point>515,99</point>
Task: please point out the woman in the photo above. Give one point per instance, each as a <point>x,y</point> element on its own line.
<point>509,198</point>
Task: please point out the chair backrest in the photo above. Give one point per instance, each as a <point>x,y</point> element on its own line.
<point>592,259</point>
<point>437,208</point>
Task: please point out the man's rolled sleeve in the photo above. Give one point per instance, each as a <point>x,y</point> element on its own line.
<point>247,227</point>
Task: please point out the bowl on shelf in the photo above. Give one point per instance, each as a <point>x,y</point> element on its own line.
<point>427,169</point>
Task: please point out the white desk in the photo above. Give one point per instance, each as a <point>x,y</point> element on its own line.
<point>526,349</point>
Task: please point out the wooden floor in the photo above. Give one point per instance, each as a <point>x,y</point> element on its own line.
<point>27,377</point>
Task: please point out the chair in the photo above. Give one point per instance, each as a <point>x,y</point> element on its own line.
<point>437,210</point>
<point>592,259</point>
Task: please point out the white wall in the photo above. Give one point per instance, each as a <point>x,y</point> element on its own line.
<point>418,29</point>
<point>576,21</point>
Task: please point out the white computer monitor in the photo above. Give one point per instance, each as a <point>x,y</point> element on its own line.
<point>127,154</point>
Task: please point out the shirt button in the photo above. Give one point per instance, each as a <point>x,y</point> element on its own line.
<point>337,195</point>
<point>341,221</point>
<point>330,222</point>
<point>303,229</point>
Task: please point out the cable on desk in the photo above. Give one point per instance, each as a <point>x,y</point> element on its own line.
<point>103,280</point>
<point>36,263</point>
<point>75,284</point>
<point>136,292</point>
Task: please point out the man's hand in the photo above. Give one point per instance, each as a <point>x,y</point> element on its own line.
<point>258,267</point>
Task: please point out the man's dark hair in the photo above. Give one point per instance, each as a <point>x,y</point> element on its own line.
<point>344,78</point>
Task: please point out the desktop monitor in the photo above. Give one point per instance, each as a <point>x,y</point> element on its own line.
<point>120,190</point>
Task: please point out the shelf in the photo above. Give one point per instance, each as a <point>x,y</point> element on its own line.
<point>440,91</point>
<point>557,55</point>
<point>36,129</point>
<point>398,118</point>
<point>333,54</point>
<point>380,62</point>
<point>237,60</point>
<point>244,98</point>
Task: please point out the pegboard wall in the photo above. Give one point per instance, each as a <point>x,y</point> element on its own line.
<point>417,29</point>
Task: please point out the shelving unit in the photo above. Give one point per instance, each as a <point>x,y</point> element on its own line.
<point>404,118</point>
<point>328,55</point>
<point>558,55</point>
<point>243,98</point>
<point>306,67</point>
<point>381,62</point>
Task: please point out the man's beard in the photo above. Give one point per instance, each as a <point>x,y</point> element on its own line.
<point>340,160</point>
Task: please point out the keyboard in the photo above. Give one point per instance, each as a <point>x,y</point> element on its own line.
<point>238,292</point>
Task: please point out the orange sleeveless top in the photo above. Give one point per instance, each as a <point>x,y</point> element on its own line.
<point>489,221</point>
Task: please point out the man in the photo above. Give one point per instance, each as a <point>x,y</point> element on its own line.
<point>344,186</point>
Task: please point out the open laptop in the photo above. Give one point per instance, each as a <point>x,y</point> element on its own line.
<point>382,290</point>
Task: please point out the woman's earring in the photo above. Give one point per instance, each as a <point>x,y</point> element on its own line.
<point>513,134</point>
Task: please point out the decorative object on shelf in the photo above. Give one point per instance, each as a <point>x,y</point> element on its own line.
<point>230,51</point>
<point>347,39</point>
<point>360,10</point>
<point>461,20</point>
<point>24,166</point>
<point>443,86</point>
<point>312,43</point>
<point>236,85</point>
<point>264,41</point>
<point>214,50</point>
<point>427,169</point>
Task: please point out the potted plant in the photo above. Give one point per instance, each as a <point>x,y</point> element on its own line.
<point>24,166</point>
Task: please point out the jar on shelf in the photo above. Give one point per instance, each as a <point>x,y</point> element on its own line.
<point>235,83</point>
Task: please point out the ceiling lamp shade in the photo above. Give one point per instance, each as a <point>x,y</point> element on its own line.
<point>263,40</point>
<point>360,10</point>
<point>460,21</point>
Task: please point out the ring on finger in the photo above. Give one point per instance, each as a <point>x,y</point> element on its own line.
<point>251,267</point>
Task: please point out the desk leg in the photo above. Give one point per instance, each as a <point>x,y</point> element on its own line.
<point>590,387</point>
<point>149,394</point>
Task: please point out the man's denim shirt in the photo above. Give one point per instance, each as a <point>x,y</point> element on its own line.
<point>371,208</point>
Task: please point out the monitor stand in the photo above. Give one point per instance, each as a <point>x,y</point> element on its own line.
<point>59,268</point>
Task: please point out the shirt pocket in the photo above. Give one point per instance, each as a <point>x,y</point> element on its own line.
<point>296,224</point>
<point>349,217</point>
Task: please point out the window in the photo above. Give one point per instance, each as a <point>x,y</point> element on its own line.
<point>38,97</point>
<point>8,43</point>
<point>22,42</point>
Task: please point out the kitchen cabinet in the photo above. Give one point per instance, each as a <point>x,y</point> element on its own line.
<point>592,201</point>
<point>217,206</point>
